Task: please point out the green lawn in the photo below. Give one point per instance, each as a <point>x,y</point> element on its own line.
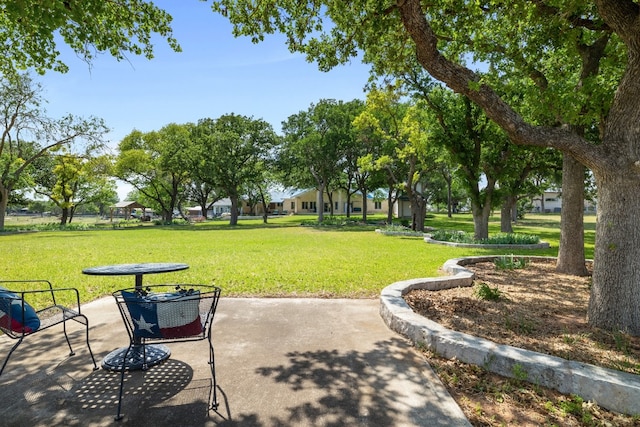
<point>280,259</point>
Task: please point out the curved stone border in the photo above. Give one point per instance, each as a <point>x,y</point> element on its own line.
<point>541,245</point>
<point>611,389</point>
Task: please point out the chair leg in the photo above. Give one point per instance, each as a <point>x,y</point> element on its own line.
<point>86,322</point>
<point>64,329</point>
<point>6,359</point>
<point>212,365</point>
<point>119,415</point>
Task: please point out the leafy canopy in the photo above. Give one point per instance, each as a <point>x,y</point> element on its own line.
<point>30,33</point>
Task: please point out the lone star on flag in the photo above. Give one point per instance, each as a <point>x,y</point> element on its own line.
<point>142,324</point>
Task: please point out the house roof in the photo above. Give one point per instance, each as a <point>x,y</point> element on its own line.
<point>281,195</point>
<point>301,193</point>
<point>223,202</point>
<point>128,204</point>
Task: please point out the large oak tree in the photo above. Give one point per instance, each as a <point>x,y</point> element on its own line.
<point>155,164</point>
<point>376,27</point>
<point>313,149</point>
<point>232,151</point>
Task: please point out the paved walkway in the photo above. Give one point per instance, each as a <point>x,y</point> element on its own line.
<point>280,362</point>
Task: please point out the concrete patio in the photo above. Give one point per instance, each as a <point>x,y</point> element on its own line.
<point>280,362</point>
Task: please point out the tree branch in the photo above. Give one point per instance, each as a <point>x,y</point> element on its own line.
<point>464,81</point>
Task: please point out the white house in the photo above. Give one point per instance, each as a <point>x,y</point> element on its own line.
<point>305,202</point>
<point>551,202</point>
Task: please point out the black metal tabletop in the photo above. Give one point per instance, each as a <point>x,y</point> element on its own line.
<point>135,269</point>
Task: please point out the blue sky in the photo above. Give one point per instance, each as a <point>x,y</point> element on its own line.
<point>215,74</point>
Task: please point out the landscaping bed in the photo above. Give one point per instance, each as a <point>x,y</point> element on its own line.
<point>533,308</point>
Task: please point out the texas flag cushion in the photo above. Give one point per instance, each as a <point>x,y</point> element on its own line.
<point>165,315</point>
<point>11,316</point>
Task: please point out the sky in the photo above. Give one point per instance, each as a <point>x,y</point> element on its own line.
<point>215,74</point>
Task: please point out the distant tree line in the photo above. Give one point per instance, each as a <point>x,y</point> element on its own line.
<point>431,146</point>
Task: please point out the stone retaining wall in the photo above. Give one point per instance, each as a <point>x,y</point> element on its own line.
<point>611,389</point>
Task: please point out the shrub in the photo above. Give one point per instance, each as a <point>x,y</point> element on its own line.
<point>511,239</point>
<point>452,236</point>
<point>485,292</point>
<point>497,239</point>
<point>395,228</point>
<point>333,221</point>
<point>66,227</point>
<point>510,262</point>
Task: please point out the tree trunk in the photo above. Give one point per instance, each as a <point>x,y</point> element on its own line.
<point>615,293</point>
<point>418,206</point>
<point>233,220</point>
<point>449,199</point>
<point>571,253</point>
<point>330,198</point>
<point>364,207</point>
<point>72,213</point>
<point>4,202</point>
<point>418,212</point>
<point>481,220</point>
<point>390,203</point>
<point>505,214</point>
<point>265,214</point>
<point>64,216</point>
<point>320,203</point>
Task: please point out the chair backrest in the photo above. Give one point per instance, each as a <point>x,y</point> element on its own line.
<point>168,312</point>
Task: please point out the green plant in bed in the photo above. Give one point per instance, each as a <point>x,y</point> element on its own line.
<point>485,292</point>
<point>510,262</point>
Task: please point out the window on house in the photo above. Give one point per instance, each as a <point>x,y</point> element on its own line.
<point>293,206</point>
<point>305,205</point>
<point>377,205</point>
<point>336,206</point>
<point>312,206</point>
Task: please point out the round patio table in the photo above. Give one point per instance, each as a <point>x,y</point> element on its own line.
<point>155,353</point>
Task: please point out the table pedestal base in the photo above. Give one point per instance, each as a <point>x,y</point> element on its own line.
<point>156,353</point>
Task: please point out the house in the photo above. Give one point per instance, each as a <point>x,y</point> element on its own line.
<point>277,203</point>
<point>302,202</point>
<point>222,206</point>
<point>551,202</point>
<point>305,202</point>
<point>402,207</point>
<point>275,206</point>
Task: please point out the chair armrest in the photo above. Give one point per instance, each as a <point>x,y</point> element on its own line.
<point>42,294</point>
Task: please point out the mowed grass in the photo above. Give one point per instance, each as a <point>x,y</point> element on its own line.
<point>280,259</point>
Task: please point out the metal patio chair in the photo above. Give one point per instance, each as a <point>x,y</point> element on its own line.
<point>19,320</point>
<point>163,314</point>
